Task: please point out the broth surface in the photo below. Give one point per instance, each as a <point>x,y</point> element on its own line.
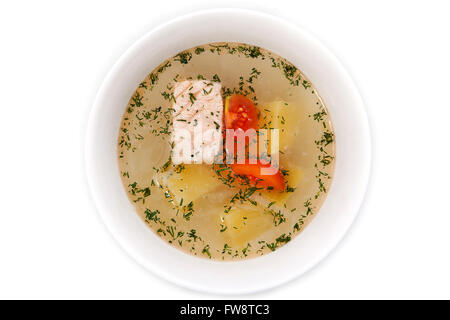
<point>214,225</point>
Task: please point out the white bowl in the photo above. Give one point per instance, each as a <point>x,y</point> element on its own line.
<point>353,151</point>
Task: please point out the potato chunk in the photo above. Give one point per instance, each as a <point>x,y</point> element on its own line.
<point>293,178</point>
<point>191,182</point>
<point>245,223</point>
<point>283,116</point>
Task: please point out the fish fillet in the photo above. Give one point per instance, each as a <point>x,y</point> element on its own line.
<point>197,121</point>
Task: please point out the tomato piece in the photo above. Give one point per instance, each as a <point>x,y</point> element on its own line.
<point>240,113</point>
<point>253,172</point>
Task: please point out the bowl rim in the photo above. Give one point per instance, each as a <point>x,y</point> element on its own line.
<point>91,153</point>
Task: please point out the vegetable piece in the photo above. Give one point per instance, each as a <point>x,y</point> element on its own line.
<point>283,116</point>
<point>293,178</point>
<point>191,183</point>
<point>253,172</point>
<point>240,113</point>
<point>245,223</point>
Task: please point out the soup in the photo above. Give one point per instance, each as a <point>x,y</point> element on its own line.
<point>220,210</point>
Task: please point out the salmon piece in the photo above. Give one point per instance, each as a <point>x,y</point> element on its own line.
<point>197,115</point>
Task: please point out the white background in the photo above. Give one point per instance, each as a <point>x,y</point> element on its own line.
<point>53,57</point>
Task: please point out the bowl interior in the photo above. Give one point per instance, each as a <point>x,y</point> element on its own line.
<point>352,151</point>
